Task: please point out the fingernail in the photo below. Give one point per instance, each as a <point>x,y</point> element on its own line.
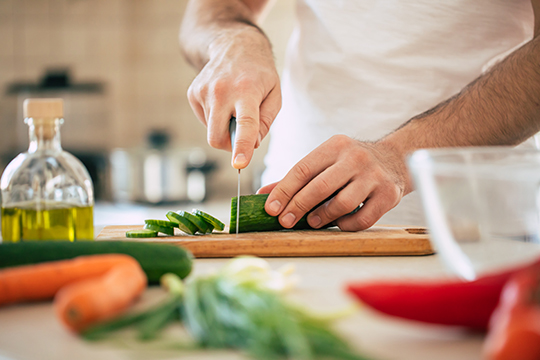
<point>288,220</point>
<point>240,160</point>
<point>314,221</point>
<point>275,206</point>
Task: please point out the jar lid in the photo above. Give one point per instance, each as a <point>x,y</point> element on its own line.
<point>43,108</point>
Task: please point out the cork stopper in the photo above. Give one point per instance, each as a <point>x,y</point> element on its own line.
<point>43,108</point>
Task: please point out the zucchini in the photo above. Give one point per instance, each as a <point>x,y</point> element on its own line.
<point>155,259</point>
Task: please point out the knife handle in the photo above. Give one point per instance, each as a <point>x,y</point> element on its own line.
<point>232,131</point>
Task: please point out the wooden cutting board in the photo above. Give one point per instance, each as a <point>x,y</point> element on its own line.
<point>376,241</point>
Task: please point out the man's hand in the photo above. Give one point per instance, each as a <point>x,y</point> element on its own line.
<point>364,173</point>
<point>237,76</point>
<point>239,80</point>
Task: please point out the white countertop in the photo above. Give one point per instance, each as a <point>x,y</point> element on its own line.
<point>31,331</point>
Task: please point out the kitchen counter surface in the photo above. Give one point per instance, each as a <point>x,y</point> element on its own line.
<point>31,331</point>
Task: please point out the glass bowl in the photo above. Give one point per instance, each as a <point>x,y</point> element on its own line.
<point>481,204</point>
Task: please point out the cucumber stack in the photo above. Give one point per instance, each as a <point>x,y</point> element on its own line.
<point>190,223</point>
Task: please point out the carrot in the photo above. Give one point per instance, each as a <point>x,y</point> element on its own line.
<point>88,288</point>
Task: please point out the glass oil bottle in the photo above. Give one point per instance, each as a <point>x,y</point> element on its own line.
<point>47,193</point>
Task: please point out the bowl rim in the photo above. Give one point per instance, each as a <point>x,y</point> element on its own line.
<point>458,160</point>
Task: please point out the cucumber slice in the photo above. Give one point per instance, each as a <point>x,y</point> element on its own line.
<point>162,229</point>
<point>210,227</point>
<point>162,223</point>
<point>200,224</point>
<point>182,223</point>
<point>209,218</point>
<point>143,233</point>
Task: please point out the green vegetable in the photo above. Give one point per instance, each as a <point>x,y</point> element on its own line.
<point>209,226</point>
<point>201,225</point>
<point>182,222</point>
<point>162,229</point>
<point>161,223</point>
<point>234,308</point>
<point>143,233</point>
<point>155,259</point>
<point>209,218</point>
<point>222,311</point>
<point>253,217</point>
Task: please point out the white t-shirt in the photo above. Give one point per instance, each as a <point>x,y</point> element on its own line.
<point>364,67</point>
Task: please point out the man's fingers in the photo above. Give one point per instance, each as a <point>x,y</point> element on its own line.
<point>318,189</point>
<point>345,202</point>
<point>196,106</point>
<point>247,132</point>
<point>301,174</point>
<point>374,208</point>
<point>268,111</point>
<point>218,127</point>
<point>267,188</point>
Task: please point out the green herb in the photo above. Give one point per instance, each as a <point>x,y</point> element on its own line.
<point>236,308</point>
<point>221,312</point>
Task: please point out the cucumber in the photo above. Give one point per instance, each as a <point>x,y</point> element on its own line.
<point>162,229</point>
<point>200,224</point>
<point>162,223</point>
<point>253,217</point>
<point>143,233</point>
<point>210,219</point>
<point>182,223</point>
<point>155,259</point>
<point>209,227</point>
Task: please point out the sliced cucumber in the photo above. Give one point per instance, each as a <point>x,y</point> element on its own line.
<point>143,233</point>
<point>162,229</point>
<point>182,223</point>
<point>162,223</point>
<point>201,225</point>
<point>210,227</point>
<point>209,218</point>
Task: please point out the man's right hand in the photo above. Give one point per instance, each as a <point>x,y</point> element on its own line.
<point>240,80</point>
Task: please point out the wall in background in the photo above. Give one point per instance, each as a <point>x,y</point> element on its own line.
<point>131,46</point>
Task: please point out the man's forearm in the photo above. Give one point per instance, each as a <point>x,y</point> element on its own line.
<point>501,107</point>
<point>207,21</point>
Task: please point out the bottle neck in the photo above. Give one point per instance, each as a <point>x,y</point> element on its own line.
<point>44,134</point>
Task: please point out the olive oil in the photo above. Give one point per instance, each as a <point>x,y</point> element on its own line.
<point>55,221</point>
<point>46,193</point>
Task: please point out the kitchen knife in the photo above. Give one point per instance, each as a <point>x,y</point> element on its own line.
<point>232,131</point>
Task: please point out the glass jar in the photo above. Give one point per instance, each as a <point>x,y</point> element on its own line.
<point>47,193</point>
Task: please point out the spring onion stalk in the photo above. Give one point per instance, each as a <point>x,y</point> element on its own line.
<point>238,308</point>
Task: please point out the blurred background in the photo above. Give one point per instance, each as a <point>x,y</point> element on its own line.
<point>118,67</point>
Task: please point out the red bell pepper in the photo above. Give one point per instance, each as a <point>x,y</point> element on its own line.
<point>459,303</point>
<point>514,331</point>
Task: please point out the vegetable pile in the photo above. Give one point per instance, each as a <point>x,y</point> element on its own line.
<point>190,223</point>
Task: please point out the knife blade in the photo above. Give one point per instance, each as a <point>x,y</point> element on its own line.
<point>232,132</point>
